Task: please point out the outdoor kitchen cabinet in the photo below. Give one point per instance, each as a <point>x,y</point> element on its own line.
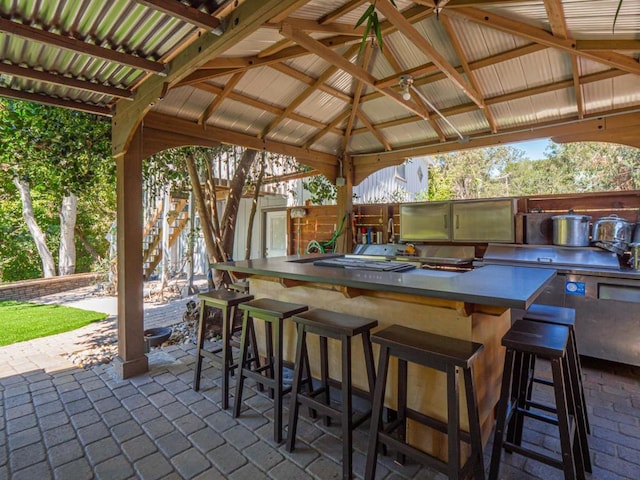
<point>483,220</point>
<point>423,222</point>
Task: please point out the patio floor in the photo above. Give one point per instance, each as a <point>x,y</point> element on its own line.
<point>59,421</point>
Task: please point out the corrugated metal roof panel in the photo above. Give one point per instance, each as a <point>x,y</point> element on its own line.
<point>239,117</point>
<point>409,133</point>
<point>383,110</point>
<point>270,86</point>
<point>321,106</point>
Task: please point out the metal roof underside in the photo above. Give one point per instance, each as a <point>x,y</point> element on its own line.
<point>480,68</point>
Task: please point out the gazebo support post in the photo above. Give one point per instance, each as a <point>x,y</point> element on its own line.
<point>131,359</point>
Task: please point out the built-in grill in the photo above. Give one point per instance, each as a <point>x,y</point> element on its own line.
<point>604,292</point>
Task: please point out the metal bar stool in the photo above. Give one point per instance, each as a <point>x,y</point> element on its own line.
<point>525,340</point>
<point>567,317</point>
<point>227,302</point>
<point>342,327</point>
<point>273,313</point>
<point>445,354</point>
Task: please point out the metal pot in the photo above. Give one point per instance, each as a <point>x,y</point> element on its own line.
<point>571,230</point>
<point>613,233</point>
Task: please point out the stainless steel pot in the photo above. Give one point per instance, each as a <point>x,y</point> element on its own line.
<point>613,233</point>
<point>571,230</point>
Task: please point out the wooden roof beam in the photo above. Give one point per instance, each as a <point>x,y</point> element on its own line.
<point>243,21</point>
<point>329,128</point>
<point>64,81</point>
<point>330,56</point>
<point>538,35</point>
<point>183,12</point>
<point>55,102</point>
<point>355,104</point>
<point>78,46</point>
<point>226,91</point>
<point>339,12</point>
<point>408,30</point>
<point>555,13</point>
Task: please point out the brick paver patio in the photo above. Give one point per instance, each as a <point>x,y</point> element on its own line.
<point>59,421</point>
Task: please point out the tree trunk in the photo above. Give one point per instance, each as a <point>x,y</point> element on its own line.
<point>254,207</point>
<point>48,265</point>
<point>207,229</point>
<point>230,215</point>
<point>67,252</point>
<point>87,245</point>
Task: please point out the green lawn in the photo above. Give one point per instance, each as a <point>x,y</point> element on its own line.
<point>22,321</point>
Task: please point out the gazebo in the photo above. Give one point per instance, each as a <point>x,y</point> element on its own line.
<point>295,77</point>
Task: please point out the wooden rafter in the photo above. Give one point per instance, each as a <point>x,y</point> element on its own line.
<point>78,46</point>
<point>608,45</point>
<point>64,81</point>
<point>309,80</point>
<point>255,103</point>
<point>321,161</point>
<point>226,91</point>
<point>183,12</point>
<point>408,30</point>
<point>355,103</point>
<point>53,101</point>
<point>555,13</point>
<point>374,131</point>
<point>330,56</point>
<point>523,93</point>
<point>455,42</point>
<point>330,127</point>
<point>339,12</point>
<point>521,29</point>
<point>334,28</point>
<point>243,21</point>
<point>296,102</point>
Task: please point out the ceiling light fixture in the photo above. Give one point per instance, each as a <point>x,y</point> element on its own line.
<point>406,83</point>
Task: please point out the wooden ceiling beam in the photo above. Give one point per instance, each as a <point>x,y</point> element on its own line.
<point>521,29</point>
<point>557,20</point>
<point>469,107</point>
<point>252,102</point>
<point>242,22</point>
<point>339,12</point>
<point>183,12</point>
<point>309,80</point>
<point>317,48</point>
<point>355,103</point>
<point>409,31</point>
<point>64,81</point>
<point>570,127</point>
<point>78,46</point>
<point>608,45</point>
<point>374,131</point>
<point>55,102</point>
<point>226,91</point>
<point>329,128</point>
<point>457,46</point>
<point>311,26</point>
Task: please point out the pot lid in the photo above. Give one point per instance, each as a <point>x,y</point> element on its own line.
<point>571,216</point>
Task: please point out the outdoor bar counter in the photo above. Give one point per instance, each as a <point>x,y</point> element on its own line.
<point>473,305</point>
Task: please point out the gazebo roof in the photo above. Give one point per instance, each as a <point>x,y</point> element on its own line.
<point>291,76</point>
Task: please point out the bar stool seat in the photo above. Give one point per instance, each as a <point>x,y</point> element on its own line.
<point>442,353</point>
<point>227,302</point>
<point>567,317</point>
<point>342,327</point>
<point>528,339</point>
<point>269,375</point>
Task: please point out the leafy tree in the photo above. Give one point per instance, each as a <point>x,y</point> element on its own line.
<point>321,189</point>
<point>52,158</point>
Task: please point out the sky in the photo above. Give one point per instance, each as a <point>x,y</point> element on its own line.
<point>534,149</point>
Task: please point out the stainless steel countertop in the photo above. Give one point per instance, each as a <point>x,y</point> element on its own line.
<point>505,286</point>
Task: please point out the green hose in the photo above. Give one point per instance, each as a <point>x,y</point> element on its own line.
<point>320,247</point>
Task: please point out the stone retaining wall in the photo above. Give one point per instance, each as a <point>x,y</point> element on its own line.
<point>28,289</point>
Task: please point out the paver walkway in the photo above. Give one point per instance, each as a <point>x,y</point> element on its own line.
<point>59,421</point>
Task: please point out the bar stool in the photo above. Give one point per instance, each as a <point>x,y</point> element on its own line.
<point>342,327</point>
<point>442,353</point>
<point>567,317</point>
<point>273,313</point>
<point>227,302</point>
<point>528,339</point>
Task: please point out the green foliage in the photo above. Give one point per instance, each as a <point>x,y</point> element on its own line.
<point>322,191</point>
<point>503,171</point>
<point>58,151</point>
<point>373,24</point>
<point>26,321</point>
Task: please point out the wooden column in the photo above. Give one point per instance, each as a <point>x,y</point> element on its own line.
<point>344,199</point>
<point>131,359</point>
